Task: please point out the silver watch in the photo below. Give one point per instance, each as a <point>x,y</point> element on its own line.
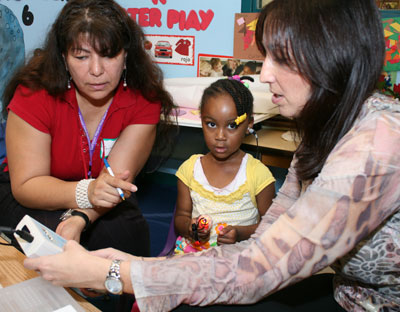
<point>70,212</point>
<point>113,281</point>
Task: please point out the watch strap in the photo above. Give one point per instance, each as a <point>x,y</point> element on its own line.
<point>82,215</point>
<point>71,212</point>
<point>114,274</point>
<point>114,268</point>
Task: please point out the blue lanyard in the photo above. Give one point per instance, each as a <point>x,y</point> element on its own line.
<point>92,144</point>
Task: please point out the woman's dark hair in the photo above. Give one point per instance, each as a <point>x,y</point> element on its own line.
<point>240,94</point>
<point>338,47</point>
<point>109,29</point>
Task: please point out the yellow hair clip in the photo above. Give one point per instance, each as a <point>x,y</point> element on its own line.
<point>240,119</point>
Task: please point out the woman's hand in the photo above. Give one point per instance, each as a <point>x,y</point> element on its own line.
<point>71,228</point>
<point>102,192</point>
<point>75,267</point>
<point>111,253</point>
<point>227,235</point>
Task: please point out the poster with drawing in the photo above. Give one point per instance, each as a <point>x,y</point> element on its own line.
<point>244,41</point>
<point>387,5</point>
<point>171,49</point>
<point>219,65</point>
<point>189,27</point>
<point>391,30</point>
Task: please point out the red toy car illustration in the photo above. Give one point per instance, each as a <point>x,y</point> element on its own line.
<point>163,49</point>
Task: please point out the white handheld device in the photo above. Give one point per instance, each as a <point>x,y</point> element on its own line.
<point>45,241</point>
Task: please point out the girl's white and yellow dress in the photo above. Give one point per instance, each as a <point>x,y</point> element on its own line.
<point>234,204</point>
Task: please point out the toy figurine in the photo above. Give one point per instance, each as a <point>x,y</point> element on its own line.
<point>203,223</point>
<point>183,245</point>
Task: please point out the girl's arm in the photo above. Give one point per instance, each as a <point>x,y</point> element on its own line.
<point>264,199</point>
<point>232,234</point>
<point>183,211</point>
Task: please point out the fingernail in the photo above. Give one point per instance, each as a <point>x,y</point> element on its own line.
<point>134,188</point>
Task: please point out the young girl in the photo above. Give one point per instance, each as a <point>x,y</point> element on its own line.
<point>228,187</point>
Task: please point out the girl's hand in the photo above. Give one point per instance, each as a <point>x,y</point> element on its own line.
<point>227,235</point>
<point>203,234</point>
<point>75,267</point>
<point>102,192</point>
<point>194,221</point>
<point>71,228</point>
<point>111,253</point>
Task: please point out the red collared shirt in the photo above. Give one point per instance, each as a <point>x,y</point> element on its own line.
<point>59,117</point>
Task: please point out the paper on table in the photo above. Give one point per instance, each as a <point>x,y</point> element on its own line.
<point>36,294</point>
<point>68,308</point>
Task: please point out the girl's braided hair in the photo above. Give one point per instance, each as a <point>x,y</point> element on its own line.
<point>240,94</point>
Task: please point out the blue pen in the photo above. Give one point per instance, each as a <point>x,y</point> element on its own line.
<point>112,174</point>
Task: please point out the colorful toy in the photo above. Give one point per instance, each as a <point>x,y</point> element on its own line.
<point>185,245</point>
<point>203,223</point>
<point>219,227</point>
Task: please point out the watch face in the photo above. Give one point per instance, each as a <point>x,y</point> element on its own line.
<point>66,215</point>
<point>113,285</point>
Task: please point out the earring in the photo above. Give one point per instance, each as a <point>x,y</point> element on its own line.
<point>68,82</point>
<point>124,83</point>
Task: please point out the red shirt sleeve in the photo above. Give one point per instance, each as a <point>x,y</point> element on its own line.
<point>33,107</point>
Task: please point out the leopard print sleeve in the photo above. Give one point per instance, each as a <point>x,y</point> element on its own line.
<point>287,196</point>
<point>355,196</point>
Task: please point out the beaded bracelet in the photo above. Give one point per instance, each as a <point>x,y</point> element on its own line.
<point>81,194</point>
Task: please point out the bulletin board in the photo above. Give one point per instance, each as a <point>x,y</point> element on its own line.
<point>245,46</point>
<point>389,82</point>
<point>190,27</point>
<point>177,31</point>
<point>391,28</point>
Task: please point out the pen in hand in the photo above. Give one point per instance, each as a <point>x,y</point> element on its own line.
<point>112,174</point>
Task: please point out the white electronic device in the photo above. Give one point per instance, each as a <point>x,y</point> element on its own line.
<point>45,241</point>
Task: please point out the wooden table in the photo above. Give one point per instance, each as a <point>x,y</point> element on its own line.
<point>12,271</point>
<point>275,151</point>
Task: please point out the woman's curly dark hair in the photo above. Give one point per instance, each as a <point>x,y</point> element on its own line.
<point>109,29</point>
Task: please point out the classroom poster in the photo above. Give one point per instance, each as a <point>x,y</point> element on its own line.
<point>193,26</point>
<point>391,30</point>
<point>229,66</point>
<point>387,5</point>
<point>171,49</point>
<point>12,48</point>
<point>245,46</point>
<point>178,30</point>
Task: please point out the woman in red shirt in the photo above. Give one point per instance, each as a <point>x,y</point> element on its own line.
<point>91,92</point>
